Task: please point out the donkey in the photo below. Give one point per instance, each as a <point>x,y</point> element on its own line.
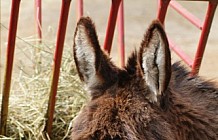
<point>148,99</point>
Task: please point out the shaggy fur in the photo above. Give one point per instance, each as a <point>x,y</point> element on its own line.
<point>121,107</point>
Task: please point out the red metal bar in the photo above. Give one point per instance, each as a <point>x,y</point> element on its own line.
<point>162,10</point>
<point>121,40</point>
<point>204,33</point>
<point>38,29</point>
<point>185,13</point>
<point>79,9</point>
<point>57,63</point>
<point>180,53</point>
<point>9,64</point>
<point>111,25</point>
<point>38,19</point>
<point>204,36</point>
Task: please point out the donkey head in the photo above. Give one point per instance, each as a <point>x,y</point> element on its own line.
<point>149,70</point>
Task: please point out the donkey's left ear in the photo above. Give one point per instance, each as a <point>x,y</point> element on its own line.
<point>93,65</point>
<point>155,60</point>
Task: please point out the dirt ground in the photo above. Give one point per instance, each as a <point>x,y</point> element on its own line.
<point>138,15</point>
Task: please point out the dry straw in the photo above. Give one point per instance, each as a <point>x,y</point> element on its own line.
<point>29,95</point>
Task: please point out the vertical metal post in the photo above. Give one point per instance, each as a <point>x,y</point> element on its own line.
<point>121,39</point>
<point>38,19</point>
<point>162,9</point>
<point>111,25</point>
<point>9,64</point>
<point>79,9</point>
<point>204,36</point>
<point>38,26</point>
<point>57,63</point>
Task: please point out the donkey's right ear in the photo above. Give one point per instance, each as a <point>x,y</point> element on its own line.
<point>155,60</point>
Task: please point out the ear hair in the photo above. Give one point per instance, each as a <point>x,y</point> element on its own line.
<point>132,63</point>
<point>86,48</point>
<point>155,61</point>
<point>93,65</point>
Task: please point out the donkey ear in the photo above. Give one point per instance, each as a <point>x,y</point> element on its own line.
<point>155,60</point>
<point>93,65</point>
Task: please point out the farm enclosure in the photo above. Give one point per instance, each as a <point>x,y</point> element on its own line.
<point>137,17</point>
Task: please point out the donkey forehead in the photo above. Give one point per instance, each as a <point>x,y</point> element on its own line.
<point>131,79</point>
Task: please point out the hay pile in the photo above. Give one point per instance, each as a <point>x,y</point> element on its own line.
<point>30,92</point>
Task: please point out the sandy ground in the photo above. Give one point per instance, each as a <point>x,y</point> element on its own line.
<point>138,15</point>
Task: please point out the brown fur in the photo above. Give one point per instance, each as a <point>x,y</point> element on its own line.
<point>120,109</point>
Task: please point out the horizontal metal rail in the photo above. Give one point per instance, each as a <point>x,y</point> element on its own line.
<point>205,29</point>
<point>180,53</point>
<point>185,13</point>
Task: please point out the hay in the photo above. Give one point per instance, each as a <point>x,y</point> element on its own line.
<point>30,92</point>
